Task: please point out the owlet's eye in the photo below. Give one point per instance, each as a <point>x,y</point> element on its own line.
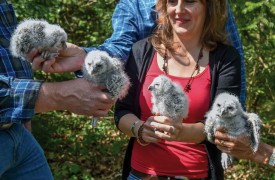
<point>157,85</point>
<point>230,108</point>
<point>99,66</point>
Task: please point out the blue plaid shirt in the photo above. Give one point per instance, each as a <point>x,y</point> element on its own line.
<point>134,20</point>
<point>18,91</point>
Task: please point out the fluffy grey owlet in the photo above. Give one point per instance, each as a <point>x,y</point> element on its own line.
<point>227,112</point>
<point>49,39</point>
<point>168,98</point>
<point>102,69</point>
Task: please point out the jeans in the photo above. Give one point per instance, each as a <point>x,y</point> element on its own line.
<point>21,157</point>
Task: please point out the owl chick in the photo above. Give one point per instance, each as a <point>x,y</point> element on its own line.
<point>227,112</point>
<point>104,70</point>
<point>168,98</point>
<point>49,39</point>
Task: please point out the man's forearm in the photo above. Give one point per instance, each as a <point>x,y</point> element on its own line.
<point>47,99</point>
<point>57,96</point>
<point>77,96</point>
<point>263,154</point>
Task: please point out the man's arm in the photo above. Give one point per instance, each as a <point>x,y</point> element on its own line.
<point>264,154</point>
<point>20,99</point>
<point>131,21</point>
<point>78,96</point>
<point>17,99</point>
<point>240,148</point>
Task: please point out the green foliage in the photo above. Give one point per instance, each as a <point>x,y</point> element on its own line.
<point>255,20</point>
<point>76,151</point>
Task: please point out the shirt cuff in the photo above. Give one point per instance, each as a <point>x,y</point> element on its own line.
<point>19,102</point>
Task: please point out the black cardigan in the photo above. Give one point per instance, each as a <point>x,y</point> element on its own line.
<point>225,68</point>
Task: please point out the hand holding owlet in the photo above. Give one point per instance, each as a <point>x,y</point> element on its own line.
<point>104,70</point>
<point>31,33</point>
<point>168,98</point>
<point>227,112</point>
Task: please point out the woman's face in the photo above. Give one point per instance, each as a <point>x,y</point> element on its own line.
<point>186,17</point>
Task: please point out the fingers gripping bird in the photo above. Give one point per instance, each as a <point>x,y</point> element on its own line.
<point>227,112</point>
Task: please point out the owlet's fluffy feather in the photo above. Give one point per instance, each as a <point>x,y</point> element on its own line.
<point>39,34</point>
<point>168,98</point>
<point>104,70</point>
<point>227,112</point>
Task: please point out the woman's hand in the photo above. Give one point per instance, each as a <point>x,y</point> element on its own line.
<point>170,130</point>
<point>165,128</point>
<point>148,132</point>
<point>238,147</point>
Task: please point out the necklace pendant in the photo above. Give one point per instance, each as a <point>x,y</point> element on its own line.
<point>187,88</point>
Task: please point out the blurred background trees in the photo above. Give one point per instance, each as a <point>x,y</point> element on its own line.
<point>76,151</point>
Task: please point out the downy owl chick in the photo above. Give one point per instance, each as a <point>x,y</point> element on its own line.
<point>104,70</point>
<point>227,112</point>
<point>49,39</point>
<point>168,98</point>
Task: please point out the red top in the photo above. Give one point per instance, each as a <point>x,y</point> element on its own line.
<point>174,158</point>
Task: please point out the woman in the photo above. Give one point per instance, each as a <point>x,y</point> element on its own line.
<point>189,47</point>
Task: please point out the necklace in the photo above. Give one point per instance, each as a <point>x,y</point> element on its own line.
<point>187,88</point>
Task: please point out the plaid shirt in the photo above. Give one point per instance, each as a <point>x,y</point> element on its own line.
<point>18,91</point>
<point>134,20</point>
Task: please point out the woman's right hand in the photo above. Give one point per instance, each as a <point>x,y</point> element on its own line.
<point>148,132</point>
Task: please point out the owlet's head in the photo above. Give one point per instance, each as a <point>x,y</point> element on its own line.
<point>227,105</point>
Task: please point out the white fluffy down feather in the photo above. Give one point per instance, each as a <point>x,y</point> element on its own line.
<point>168,98</point>
<point>102,69</point>
<point>49,39</point>
<point>227,112</point>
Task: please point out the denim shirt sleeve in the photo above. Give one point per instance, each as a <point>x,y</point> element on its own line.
<point>234,37</point>
<point>132,21</point>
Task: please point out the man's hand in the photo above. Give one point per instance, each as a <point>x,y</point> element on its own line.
<point>68,60</point>
<point>238,147</point>
<point>78,96</point>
